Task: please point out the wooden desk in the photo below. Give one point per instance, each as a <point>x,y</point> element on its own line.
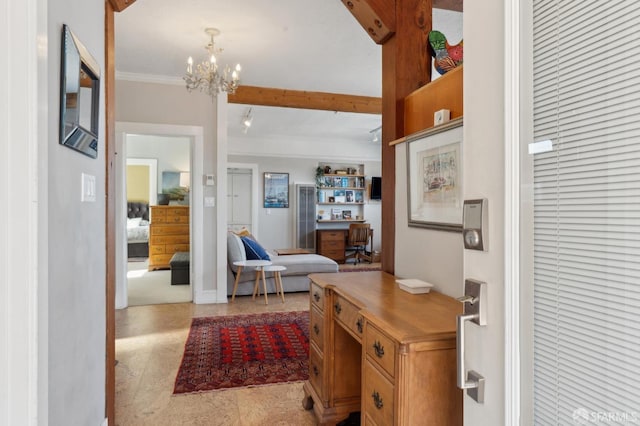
<point>396,349</point>
<point>333,243</point>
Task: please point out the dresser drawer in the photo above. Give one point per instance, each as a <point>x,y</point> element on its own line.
<point>377,396</point>
<point>157,249</point>
<point>317,328</point>
<point>176,219</point>
<point>177,211</point>
<point>158,214</point>
<point>316,373</point>
<point>160,260</point>
<point>380,348</point>
<point>169,229</point>
<point>169,239</point>
<point>349,315</point>
<point>317,296</point>
<point>172,248</point>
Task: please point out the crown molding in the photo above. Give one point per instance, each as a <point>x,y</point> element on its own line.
<point>149,78</point>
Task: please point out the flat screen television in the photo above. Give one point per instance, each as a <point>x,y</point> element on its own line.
<point>376,188</point>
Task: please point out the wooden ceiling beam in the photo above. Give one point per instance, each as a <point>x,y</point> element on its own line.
<point>120,5</point>
<point>455,5</point>
<point>377,17</point>
<point>266,96</point>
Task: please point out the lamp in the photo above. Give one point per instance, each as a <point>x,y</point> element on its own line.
<point>247,119</point>
<point>206,77</point>
<point>375,133</point>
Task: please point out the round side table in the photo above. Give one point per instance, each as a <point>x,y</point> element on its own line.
<point>259,265</point>
<point>277,279</point>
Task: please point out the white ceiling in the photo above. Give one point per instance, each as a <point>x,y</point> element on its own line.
<point>313,45</point>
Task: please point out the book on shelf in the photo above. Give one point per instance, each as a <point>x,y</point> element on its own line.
<point>359,198</point>
<point>336,214</point>
<point>346,214</point>
<point>349,197</point>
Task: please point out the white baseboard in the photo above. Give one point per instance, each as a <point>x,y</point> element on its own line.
<point>105,422</point>
<point>208,296</point>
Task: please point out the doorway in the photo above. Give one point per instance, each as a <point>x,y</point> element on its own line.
<point>176,150</point>
<point>148,188</point>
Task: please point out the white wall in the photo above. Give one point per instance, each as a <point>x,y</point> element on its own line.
<point>77,260</point>
<point>433,256</point>
<point>276,228</point>
<point>171,104</point>
<point>172,153</point>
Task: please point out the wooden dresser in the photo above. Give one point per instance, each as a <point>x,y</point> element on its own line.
<point>332,243</point>
<point>376,349</point>
<point>168,233</point>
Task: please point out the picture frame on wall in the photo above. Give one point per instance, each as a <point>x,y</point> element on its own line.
<point>434,177</point>
<point>276,190</point>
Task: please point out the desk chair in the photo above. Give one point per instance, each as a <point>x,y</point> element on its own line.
<point>358,239</point>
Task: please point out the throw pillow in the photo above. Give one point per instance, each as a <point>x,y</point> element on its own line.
<point>254,250</point>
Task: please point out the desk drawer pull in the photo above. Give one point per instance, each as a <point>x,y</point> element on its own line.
<point>359,324</point>
<point>315,371</point>
<point>316,296</point>
<point>377,346</point>
<point>316,328</point>
<point>338,308</point>
<point>377,400</point>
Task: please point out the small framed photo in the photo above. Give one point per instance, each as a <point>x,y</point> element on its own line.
<point>346,214</point>
<point>332,199</point>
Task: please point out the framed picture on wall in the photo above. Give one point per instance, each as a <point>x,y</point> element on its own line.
<point>276,190</point>
<point>434,177</point>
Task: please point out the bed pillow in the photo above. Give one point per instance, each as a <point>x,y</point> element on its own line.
<point>133,222</point>
<point>254,250</point>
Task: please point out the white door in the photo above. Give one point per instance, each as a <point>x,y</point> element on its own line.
<point>562,344</point>
<point>239,196</point>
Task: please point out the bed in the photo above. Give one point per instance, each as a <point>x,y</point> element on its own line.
<point>137,229</point>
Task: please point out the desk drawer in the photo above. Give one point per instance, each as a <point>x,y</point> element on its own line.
<point>377,397</point>
<point>326,236</point>
<point>317,328</point>
<point>349,315</point>
<point>317,296</point>
<point>316,373</point>
<point>380,348</point>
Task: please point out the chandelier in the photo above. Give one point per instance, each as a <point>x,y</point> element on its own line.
<point>207,77</point>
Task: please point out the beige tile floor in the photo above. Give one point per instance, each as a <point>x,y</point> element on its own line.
<point>149,346</point>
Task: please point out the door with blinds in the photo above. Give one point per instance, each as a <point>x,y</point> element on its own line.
<point>586,254</point>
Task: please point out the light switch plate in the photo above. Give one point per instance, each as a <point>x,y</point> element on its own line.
<point>88,183</point>
<point>209,201</point>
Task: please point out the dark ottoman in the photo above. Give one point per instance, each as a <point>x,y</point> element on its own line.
<point>180,268</point>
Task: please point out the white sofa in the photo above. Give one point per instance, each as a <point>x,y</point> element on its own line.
<point>299,266</point>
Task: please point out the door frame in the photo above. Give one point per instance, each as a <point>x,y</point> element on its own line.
<point>195,133</point>
<point>254,192</point>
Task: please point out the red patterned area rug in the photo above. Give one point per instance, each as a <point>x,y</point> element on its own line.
<point>244,350</point>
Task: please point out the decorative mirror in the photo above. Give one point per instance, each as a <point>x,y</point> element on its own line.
<point>79,96</point>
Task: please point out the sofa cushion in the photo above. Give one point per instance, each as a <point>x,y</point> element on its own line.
<point>253,249</point>
<point>304,264</point>
<point>235,250</point>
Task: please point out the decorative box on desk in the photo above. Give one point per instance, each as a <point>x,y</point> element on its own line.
<point>168,234</point>
<point>382,351</point>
